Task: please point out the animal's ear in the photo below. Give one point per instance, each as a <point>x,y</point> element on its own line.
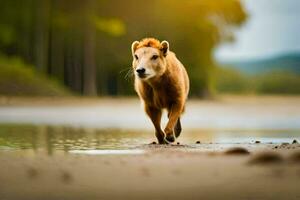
<point>134,46</point>
<point>165,47</point>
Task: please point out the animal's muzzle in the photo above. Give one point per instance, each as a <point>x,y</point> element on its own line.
<point>141,72</point>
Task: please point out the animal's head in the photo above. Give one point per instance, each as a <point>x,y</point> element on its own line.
<point>149,58</point>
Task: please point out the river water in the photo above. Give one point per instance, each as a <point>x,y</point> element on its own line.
<point>118,124</point>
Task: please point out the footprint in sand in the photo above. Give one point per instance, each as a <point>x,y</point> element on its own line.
<point>32,173</point>
<point>66,177</point>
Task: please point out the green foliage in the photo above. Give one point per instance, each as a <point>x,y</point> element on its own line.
<point>6,35</point>
<point>76,40</point>
<point>113,27</point>
<point>229,80</point>
<point>280,82</point>
<point>232,81</point>
<point>17,78</point>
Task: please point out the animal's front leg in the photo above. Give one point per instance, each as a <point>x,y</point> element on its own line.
<point>174,113</point>
<point>155,116</point>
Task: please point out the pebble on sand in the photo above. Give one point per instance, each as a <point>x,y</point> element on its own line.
<point>266,158</point>
<point>295,142</point>
<point>198,142</point>
<point>237,151</point>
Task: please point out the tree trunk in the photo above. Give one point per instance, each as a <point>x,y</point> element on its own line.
<point>42,34</point>
<point>89,58</point>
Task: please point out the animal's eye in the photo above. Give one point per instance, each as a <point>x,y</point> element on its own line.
<point>136,57</point>
<point>154,57</point>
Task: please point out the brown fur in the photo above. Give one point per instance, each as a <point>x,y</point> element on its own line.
<point>167,91</point>
<point>149,42</point>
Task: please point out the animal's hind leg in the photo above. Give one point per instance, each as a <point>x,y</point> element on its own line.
<point>177,128</point>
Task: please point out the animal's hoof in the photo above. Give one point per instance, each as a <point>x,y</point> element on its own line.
<point>170,138</point>
<point>163,141</point>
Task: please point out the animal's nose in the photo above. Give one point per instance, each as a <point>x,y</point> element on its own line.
<point>141,70</point>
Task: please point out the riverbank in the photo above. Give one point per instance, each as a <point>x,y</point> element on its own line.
<point>156,172</point>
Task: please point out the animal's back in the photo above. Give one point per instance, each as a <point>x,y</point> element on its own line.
<point>179,72</point>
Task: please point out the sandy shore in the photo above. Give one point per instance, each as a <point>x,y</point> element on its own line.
<point>257,171</point>
<point>269,169</point>
<point>225,112</point>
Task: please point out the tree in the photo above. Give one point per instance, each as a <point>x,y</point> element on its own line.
<point>86,44</point>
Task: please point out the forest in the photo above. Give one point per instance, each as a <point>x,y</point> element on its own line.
<point>83,47</point>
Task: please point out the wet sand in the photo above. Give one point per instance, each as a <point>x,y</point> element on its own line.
<point>207,171</point>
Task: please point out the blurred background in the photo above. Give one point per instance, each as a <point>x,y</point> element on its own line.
<point>62,47</point>
<point>72,127</point>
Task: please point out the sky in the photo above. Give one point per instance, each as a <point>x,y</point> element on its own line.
<point>273,28</point>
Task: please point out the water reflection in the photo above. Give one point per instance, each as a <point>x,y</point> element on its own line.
<point>66,139</point>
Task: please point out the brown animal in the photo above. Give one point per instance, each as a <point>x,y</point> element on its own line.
<point>161,82</point>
